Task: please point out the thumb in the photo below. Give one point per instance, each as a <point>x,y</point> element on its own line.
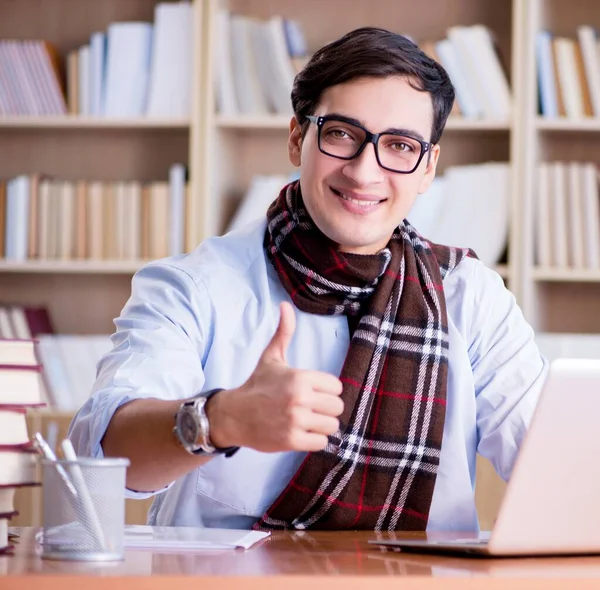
<point>278,346</point>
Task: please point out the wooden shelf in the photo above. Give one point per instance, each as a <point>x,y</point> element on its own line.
<point>51,413</point>
<point>564,124</point>
<point>74,122</point>
<point>566,275</point>
<point>73,266</point>
<point>282,122</point>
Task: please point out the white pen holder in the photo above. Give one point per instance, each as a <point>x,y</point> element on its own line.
<point>85,520</point>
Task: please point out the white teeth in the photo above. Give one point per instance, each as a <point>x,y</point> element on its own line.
<point>364,204</point>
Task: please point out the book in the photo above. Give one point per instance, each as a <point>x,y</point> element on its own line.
<point>4,544</point>
<point>18,352</point>
<point>13,428</point>
<point>7,499</point>
<point>18,466</point>
<point>20,385</point>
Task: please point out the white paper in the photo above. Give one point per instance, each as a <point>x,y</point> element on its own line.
<point>189,538</point>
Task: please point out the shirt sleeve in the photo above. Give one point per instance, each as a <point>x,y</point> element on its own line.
<point>508,369</point>
<point>157,352</point>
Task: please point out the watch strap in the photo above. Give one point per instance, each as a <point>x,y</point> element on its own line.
<point>227,451</point>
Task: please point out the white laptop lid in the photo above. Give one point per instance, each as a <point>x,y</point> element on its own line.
<point>552,502</point>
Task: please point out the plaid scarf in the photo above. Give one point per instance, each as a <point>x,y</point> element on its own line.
<point>378,471</point>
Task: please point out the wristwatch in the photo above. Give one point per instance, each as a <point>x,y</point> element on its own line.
<point>192,427</point>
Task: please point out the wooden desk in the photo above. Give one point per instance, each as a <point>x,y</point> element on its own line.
<point>295,561</point>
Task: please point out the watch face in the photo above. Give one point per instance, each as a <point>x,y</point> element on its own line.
<point>187,428</point>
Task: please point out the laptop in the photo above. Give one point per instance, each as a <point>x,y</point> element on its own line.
<point>552,501</point>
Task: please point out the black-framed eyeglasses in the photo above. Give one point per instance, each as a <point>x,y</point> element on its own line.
<point>344,138</point>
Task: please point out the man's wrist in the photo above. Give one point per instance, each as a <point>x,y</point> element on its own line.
<point>222,423</point>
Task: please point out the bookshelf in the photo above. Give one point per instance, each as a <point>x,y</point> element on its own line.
<point>80,122</point>
<point>246,145</point>
<point>91,148</point>
<point>224,152</point>
<point>72,266</point>
<point>560,299</point>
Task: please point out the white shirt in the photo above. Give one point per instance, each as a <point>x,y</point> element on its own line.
<point>200,321</point>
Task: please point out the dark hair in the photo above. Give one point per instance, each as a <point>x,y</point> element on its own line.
<point>376,53</point>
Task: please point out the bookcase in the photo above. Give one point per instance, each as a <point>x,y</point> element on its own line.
<point>556,299</point>
<point>224,152</point>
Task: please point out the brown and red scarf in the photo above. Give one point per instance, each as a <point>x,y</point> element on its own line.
<point>378,472</point>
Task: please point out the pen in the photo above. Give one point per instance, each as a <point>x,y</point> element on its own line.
<point>47,451</point>
<point>89,511</point>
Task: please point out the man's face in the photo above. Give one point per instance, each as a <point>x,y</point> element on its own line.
<point>331,186</point>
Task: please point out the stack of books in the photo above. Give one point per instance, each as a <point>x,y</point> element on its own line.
<point>20,388</point>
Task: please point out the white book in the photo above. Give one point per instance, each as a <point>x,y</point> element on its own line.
<point>250,95</point>
<point>17,218</point>
<point>133,212</point>
<point>467,220</point>
<point>8,66</point>
<point>263,190</point>
<point>127,69</point>
<point>591,215</point>
<point>281,64</point>
<point>83,66</point>
<point>33,64</point>
<point>158,222</point>
<point>545,71</point>
<point>79,367</point>
<point>170,85</point>
<point>20,71</point>
<point>6,328</point>
<point>95,221</point>
<point>575,217</point>
<point>43,228</point>
<point>176,209</point>
<point>55,221</point>
<point>427,209</point>
<point>7,97</point>
<point>558,193</point>
<point>464,95</point>
<point>19,322</point>
<point>48,78</point>
<point>55,376</point>
<point>472,66</point>
<point>543,236</point>
<point>97,69</point>
<point>591,64</point>
<point>223,66</point>
<point>494,79</point>
<point>120,218</point>
<point>66,220</point>
<point>264,66</point>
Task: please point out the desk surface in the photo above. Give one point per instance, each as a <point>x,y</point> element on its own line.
<point>290,561</point>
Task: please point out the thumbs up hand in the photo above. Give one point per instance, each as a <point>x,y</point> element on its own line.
<point>279,408</point>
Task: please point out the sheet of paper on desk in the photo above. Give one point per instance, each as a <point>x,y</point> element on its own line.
<point>184,538</point>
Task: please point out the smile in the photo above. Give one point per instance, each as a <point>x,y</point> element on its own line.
<point>362,203</point>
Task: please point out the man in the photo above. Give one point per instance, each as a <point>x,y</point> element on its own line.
<point>325,367</point>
